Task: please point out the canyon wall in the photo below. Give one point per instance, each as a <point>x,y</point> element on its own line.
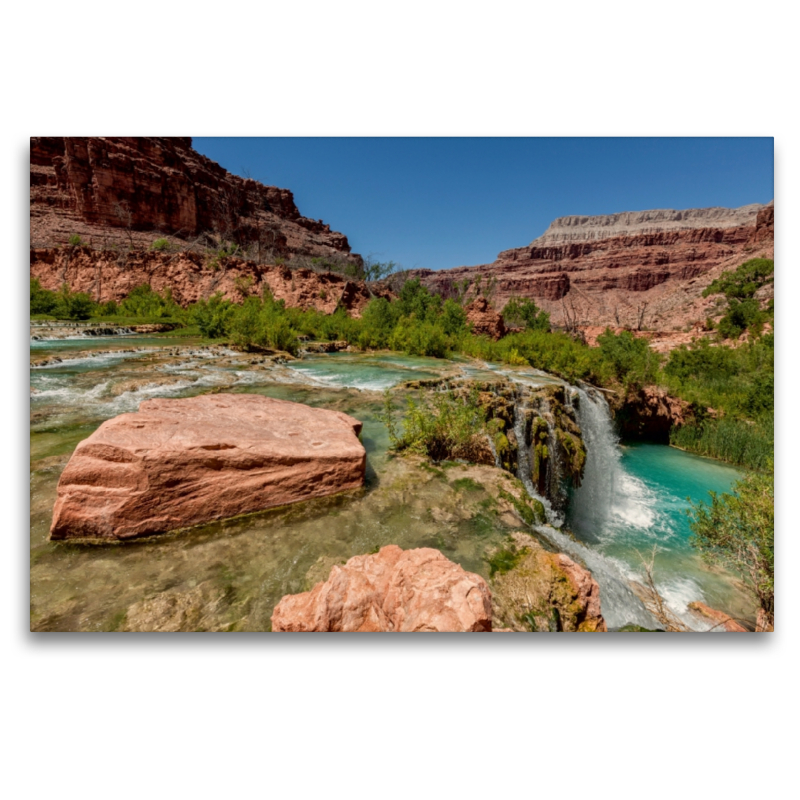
<point>128,191</point>
<point>639,269</point>
<point>108,275</point>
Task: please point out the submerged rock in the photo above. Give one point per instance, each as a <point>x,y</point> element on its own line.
<point>535,590</point>
<point>178,463</point>
<point>719,618</point>
<point>392,590</point>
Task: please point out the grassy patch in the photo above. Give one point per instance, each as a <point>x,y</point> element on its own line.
<point>505,560</point>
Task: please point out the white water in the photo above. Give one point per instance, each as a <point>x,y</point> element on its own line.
<point>608,494</point>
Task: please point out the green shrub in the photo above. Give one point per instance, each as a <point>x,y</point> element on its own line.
<point>739,287</point>
<point>75,240</point>
<point>212,316</point>
<point>523,313</point>
<point>737,531</point>
<point>160,245</point>
<point>43,301</point>
<point>440,426</point>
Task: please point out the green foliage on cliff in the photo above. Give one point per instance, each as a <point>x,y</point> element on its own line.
<point>737,531</point>
<point>524,313</point>
<point>739,287</point>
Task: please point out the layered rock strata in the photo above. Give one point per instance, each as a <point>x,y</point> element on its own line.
<point>634,270</point>
<point>394,591</point>
<point>178,463</point>
<point>125,190</point>
<point>108,275</point>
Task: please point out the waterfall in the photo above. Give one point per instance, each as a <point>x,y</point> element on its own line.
<point>608,495</point>
<point>497,461</point>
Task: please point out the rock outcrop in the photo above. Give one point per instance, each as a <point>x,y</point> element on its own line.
<point>392,590</point>
<point>543,591</point>
<point>636,270</point>
<point>108,275</point>
<point>484,319</point>
<point>123,190</point>
<point>178,463</point>
<point>651,413</point>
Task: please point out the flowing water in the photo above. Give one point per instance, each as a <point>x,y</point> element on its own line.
<point>630,499</point>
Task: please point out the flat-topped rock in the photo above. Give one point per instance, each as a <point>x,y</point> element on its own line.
<point>178,463</point>
<point>392,590</point>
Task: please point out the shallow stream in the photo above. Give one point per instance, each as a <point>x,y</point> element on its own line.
<point>236,571</point>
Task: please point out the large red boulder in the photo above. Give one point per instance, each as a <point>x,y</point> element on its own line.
<point>178,463</point>
<point>392,590</point>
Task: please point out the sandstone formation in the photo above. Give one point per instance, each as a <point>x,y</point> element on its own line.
<point>178,463</point>
<point>636,223</point>
<point>650,413</point>
<point>108,275</point>
<point>719,618</point>
<point>634,270</point>
<point>392,590</point>
<point>124,190</point>
<point>545,592</point>
<point>484,319</point>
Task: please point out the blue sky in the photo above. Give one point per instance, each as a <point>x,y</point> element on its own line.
<point>448,202</point>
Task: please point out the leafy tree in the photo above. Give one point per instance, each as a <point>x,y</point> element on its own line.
<point>73,305</point>
<point>212,316</point>
<point>630,358</point>
<point>739,287</point>
<point>524,313</point>
<point>737,531</point>
<point>43,301</point>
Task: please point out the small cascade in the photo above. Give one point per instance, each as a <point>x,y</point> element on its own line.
<point>524,448</point>
<point>496,457</point>
<point>619,605</point>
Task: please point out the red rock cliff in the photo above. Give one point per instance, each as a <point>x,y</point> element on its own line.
<point>131,189</point>
<point>615,269</point>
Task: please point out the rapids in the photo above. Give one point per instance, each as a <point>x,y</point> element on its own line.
<point>630,498</point>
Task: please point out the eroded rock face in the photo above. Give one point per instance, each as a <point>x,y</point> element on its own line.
<point>545,591</point>
<point>178,463</point>
<point>484,319</point>
<point>114,189</point>
<point>651,413</point>
<point>634,270</point>
<point>392,590</point>
<point>108,275</point>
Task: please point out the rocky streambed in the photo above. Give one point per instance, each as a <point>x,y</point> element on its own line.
<point>494,520</point>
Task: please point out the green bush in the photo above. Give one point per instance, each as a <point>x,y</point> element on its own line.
<point>142,301</point>
<point>43,301</point>
<point>160,245</point>
<point>632,361</point>
<point>75,240</point>
<point>440,426</point>
<point>739,287</point>
<point>262,323</point>
<point>212,316</point>
<point>737,531</point>
<point>523,313</point>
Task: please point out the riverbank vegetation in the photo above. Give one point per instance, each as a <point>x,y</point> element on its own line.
<point>732,388</point>
<point>737,531</point>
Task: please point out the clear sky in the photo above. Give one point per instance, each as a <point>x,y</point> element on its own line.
<point>448,202</point>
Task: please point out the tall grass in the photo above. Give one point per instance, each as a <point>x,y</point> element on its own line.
<point>740,442</point>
